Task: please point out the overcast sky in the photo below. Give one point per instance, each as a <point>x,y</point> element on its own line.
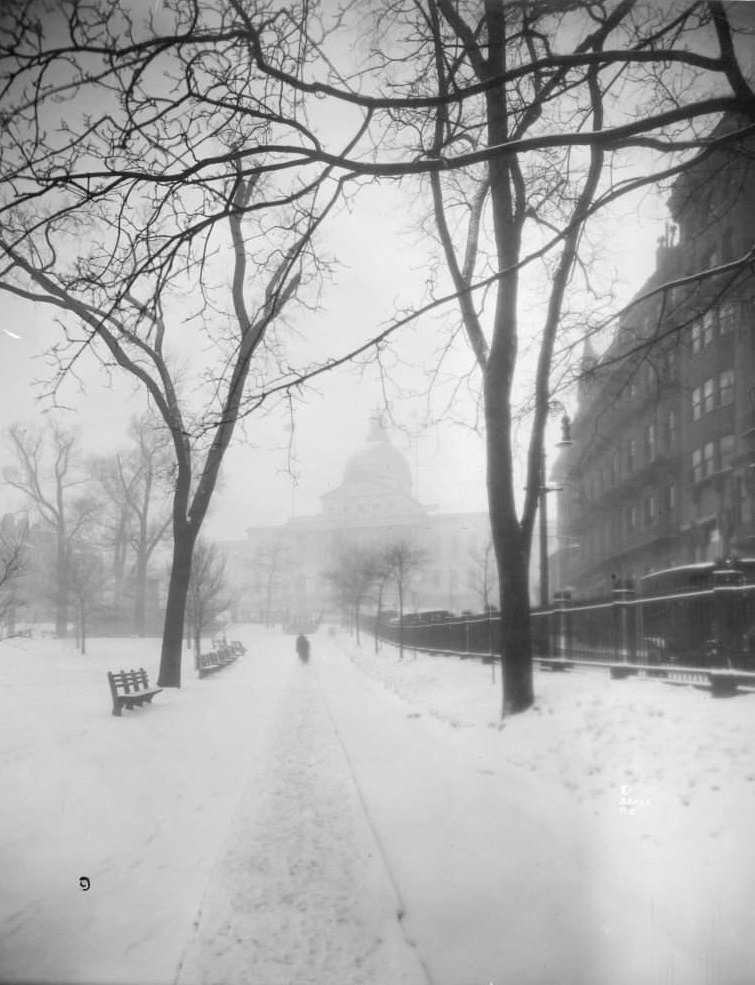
<point>381,268</point>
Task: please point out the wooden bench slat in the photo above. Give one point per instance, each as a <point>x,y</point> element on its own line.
<point>130,688</point>
<point>217,659</point>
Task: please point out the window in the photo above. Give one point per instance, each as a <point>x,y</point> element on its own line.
<point>709,458</point>
<point>727,318</point>
<point>631,454</point>
<point>697,336</point>
<point>704,461</point>
<point>709,396</point>
<point>697,403</point>
<point>709,324</point>
<point>671,428</point>
<point>650,442</point>
<point>726,388</point>
<point>649,510</point>
<point>726,451</point>
<point>669,499</point>
<point>697,465</point>
<point>631,519</point>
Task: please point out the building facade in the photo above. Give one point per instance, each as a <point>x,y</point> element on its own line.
<point>661,471</point>
<point>281,573</point>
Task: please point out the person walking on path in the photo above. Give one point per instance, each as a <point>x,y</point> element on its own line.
<point>302,647</point>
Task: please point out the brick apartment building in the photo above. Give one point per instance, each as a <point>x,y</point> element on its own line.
<point>662,468</point>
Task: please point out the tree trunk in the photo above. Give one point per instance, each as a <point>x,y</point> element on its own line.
<point>512,547</point>
<point>140,597</point>
<point>175,609</point>
<point>62,591</point>
<point>516,641</point>
<point>400,620</point>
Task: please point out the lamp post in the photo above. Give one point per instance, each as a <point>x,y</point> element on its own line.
<point>566,439</point>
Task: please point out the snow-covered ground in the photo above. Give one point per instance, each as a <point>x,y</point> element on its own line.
<point>365,821</point>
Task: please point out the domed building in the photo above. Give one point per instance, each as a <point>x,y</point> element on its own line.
<point>376,489</point>
<point>280,573</point>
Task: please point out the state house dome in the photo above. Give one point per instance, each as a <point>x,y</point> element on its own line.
<point>379,464</point>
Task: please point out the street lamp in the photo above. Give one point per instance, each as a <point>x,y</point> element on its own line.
<point>566,439</point>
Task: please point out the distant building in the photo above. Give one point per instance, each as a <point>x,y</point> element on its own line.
<point>662,468</point>
<point>282,571</point>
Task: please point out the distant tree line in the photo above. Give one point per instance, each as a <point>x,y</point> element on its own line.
<point>91,548</point>
<point>366,573</point>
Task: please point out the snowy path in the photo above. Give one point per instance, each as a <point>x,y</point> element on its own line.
<point>278,824</point>
<point>300,894</point>
<point>229,801</point>
<point>529,870</point>
<point>138,805</point>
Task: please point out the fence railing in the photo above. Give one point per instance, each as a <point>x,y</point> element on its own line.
<point>710,628</point>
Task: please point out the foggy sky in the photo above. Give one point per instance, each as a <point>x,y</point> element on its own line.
<point>381,269</point>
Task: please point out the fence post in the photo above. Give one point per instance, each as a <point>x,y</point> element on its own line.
<point>562,602</point>
<point>625,637</point>
<point>728,615</point>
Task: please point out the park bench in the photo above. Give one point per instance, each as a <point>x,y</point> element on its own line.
<point>209,663</point>
<point>226,654</point>
<point>130,688</point>
<point>223,655</point>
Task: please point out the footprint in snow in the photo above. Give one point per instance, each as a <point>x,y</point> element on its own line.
<point>414,714</point>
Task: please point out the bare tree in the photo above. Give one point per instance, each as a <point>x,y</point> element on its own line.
<point>539,117</point>
<point>208,592</point>
<point>49,474</point>
<point>401,561</point>
<point>483,576</point>
<point>272,572</point>
<point>355,574</point>
<point>164,201</point>
<point>87,580</point>
<point>137,484</point>
<point>13,567</point>
<point>115,523</point>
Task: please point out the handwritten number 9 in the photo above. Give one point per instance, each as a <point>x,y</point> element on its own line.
<point>84,883</point>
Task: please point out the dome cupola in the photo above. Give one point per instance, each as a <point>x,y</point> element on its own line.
<point>379,464</point>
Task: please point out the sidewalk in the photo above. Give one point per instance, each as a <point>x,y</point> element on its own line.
<point>300,893</point>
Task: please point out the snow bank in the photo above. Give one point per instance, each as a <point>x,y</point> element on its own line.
<point>137,805</point>
<point>660,795</point>
<point>219,828</point>
<point>366,820</point>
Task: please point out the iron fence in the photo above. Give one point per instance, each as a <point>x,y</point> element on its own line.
<point>710,628</point>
